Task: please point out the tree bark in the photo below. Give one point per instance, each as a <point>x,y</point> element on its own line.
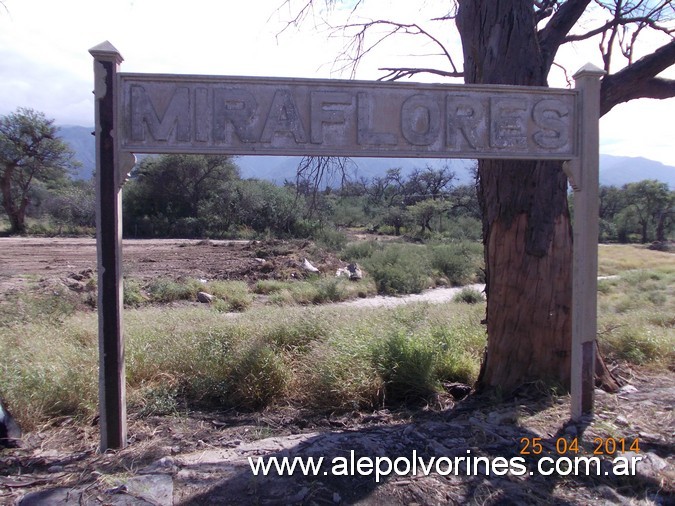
<point>661,227</point>
<point>526,223</point>
<point>16,214</point>
<point>528,254</point>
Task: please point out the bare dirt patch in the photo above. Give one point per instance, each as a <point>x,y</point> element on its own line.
<point>30,259</point>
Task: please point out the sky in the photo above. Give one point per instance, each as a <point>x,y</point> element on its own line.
<point>45,64</point>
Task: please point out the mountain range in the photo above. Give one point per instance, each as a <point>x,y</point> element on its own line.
<point>614,170</point>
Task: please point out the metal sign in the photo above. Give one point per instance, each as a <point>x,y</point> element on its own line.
<point>239,115</point>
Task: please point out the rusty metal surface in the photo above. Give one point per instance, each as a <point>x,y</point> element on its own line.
<point>237,115</point>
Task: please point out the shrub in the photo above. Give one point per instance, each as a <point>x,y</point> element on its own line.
<point>156,398</point>
<point>259,376</point>
<point>282,298</point>
<point>293,333</point>
<point>339,375</point>
<point>51,303</point>
<point>167,290</point>
<point>303,292</point>
<point>636,344</point>
<point>469,296</point>
<point>330,290</point>
<point>459,262</point>
<point>317,358</point>
<point>131,294</point>
<point>399,269</point>
<point>230,295</point>
<point>459,345</point>
<point>359,250</point>
<point>269,286</point>
<point>49,369</point>
<point>406,365</point>
<point>463,228</point>
<point>331,239</point>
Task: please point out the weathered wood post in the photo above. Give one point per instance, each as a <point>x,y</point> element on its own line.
<point>584,178</point>
<point>112,392</point>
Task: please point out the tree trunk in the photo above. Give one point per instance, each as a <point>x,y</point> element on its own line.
<point>526,223</point>
<point>661,227</point>
<point>17,221</point>
<point>16,214</point>
<point>528,253</point>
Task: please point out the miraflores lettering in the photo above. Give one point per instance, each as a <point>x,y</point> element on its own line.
<point>323,117</point>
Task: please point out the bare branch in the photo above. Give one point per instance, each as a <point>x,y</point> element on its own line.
<point>627,19</point>
<point>357,48</point>
<point>639,79</point>
<point>313,171</point>
<point>450,16</point>
<point>568,79</point>
<point>396,73</point>
<point>560,24</point>
<point>544,9</point>
<point>301,15</point>
<point>655,87</point>
<point>606,48</point>
<point>618,22</point>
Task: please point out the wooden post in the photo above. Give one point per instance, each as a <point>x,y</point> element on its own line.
<point>112,392</point>
<point>586,226</point>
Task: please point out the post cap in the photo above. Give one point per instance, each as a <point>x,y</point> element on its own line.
<point>589,70</point>
<point>106,51</point>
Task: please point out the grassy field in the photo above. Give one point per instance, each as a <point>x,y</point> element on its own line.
<point>317,357</point>
<point>322,358</point>
<point>636,309</point>
<point>617,258</point>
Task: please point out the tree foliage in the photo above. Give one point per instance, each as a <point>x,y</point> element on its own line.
<point>72,206</point>
<point>30,151</point>
<point>167,193</point>
<point>203,195</point>
<point>643,211</point>
<point>652,206</point>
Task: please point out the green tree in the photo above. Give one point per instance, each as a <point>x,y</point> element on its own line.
<point>169,192</point>
<point>524,204</point>
<point>397,217</point>
<point>612,202</point>
<point>30,151</point>
<point>428,183</point>
<point>425,211</point>
<point>463,201</point>
<point>651,203</point>
<point>263,206</point>
<point>72,205</point>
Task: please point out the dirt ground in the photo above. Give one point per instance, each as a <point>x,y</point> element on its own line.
<point>29,259</point>
<point>202,458</point>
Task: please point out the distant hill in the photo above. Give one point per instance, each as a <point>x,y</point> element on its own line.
<point>620,170</point>
<point>614,170</point>
<point>83,143</point>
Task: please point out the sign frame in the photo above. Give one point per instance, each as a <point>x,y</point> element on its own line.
<point>114,160</point>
